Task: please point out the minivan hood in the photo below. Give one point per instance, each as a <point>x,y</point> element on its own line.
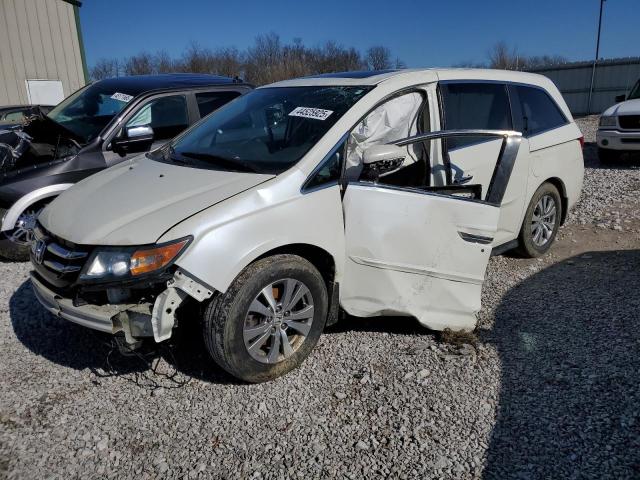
<point>135,202</point>
<point>629,107</point>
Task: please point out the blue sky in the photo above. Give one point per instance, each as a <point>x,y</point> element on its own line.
<point>423,34</point>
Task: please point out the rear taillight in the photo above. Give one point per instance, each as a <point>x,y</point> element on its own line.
<point>581,140</point>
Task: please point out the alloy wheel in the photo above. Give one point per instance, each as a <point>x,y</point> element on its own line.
<point>278,321</point>
<point>543,220</point>
<point>22,234</point>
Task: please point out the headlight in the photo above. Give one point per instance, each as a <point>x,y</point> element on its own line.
<point>608,121</point>
<point>131,262</point>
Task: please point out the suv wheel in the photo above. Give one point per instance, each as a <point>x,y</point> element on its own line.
<point>541,222</point>
<point>269,319</point>
<point>606,155</point>
<point>15,244</point>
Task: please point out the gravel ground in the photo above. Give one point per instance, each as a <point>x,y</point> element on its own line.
<point>548,387</point>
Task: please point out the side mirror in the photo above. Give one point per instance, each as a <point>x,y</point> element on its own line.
<point>380,160</point>
<point>621,98</point>
<point>135,140</point>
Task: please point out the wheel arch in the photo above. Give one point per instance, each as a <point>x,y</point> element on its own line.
<point>317,256</point>
<point>559,184</point>
<point>31,198</point>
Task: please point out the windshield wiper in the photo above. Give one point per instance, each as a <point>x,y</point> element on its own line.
<point>208,158</point>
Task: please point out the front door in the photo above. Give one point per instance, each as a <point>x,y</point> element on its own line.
<point>422,252</point>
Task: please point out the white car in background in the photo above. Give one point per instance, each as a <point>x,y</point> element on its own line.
<point>619,130</point>
<point>377,193</point>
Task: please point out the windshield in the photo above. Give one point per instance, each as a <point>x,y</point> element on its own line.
<point>89,110</point>
<point>635,91</point>
<point>266,131</point>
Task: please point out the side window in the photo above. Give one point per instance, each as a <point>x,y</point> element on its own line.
<point>539,111</point>
<point>474,106</point>
<point>329,172</point>
<point>398,118</point>
<point>167,116</point>
<point>17,116</point>
<point>210,101</point>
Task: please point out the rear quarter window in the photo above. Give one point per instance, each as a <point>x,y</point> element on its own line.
<point>539,112</point>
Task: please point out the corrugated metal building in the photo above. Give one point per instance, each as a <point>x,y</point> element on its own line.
<point>41,53</point>
<point>613,77</point>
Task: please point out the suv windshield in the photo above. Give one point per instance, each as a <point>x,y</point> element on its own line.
<point>635,91</point>
<point>267,130</point>
<point>89,110</point>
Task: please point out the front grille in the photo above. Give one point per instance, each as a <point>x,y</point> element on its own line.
<point>629,122</point>
<point>56,260</point>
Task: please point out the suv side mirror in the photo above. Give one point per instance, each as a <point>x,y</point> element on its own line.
<point>380,160</point>
<point>135,140</point>
<point>621,98</point>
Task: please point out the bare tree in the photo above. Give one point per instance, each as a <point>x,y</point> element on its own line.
<point>332,57</point>
<point>195,59</point>
<point>105,68</point>
<point>267,60</point>
<point>227,62</point>
<point>502,57</point>
<point>140,64</point>
<point>378,58</point>
<point>163,63</point>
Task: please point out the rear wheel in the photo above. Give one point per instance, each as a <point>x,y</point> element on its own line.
<point>269,319</point>
<point>541,222</point>
<point>15,244</point>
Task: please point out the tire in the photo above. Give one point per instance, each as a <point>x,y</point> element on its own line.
<point>227,319</point>
<point>11,251</point>
<point>531,245</point>
<point>606,155</point>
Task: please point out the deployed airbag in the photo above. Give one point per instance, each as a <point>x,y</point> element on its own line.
<point>391,121</point>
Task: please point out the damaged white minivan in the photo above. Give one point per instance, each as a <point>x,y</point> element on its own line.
<point>372,193</point>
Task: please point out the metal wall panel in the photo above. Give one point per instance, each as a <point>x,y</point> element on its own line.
<point>613,77</point>
<point>38,40</point>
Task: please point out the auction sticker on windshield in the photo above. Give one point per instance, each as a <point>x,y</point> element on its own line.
<point>308,112</point>
<point>123,97</point>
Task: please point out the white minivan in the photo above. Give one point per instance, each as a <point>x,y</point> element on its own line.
<point>373,193</point>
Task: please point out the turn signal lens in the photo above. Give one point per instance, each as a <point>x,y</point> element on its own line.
<point>148,260</point>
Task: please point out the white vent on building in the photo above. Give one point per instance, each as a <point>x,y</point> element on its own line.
<point>44,92</point>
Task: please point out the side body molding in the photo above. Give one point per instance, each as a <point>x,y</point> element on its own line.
<point>9,220</point>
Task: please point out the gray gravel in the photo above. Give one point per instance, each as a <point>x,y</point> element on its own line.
<point>548,388</point>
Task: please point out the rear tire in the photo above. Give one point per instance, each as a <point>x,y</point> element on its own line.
<point>11,251</point>
<point>541,222</point>
<point>606,155</point>
<point>241,325</point>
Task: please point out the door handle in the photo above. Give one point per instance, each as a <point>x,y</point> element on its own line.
<point>472,238</point>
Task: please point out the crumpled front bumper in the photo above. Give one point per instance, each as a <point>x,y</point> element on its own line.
<point>95,317</point>
<point>135,320</point>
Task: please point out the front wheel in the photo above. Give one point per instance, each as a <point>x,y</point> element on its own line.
<point>541,222</point>
<point>15,244</point>
<point>269,319</point>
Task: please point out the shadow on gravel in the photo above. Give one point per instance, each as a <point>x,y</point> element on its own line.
<point>569,344</point>
<point>627,161</point>
<point>77,347</point>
